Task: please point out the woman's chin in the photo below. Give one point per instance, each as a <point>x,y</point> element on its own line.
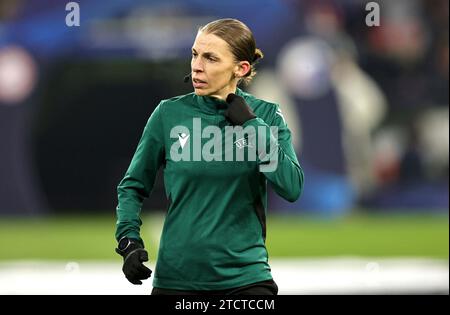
<point>200,92</point>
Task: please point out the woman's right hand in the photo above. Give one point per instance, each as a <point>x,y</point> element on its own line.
<point>134,255</point>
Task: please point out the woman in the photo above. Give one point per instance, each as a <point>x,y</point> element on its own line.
<point>213,239</point>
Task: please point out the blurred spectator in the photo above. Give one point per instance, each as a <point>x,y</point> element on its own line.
<point>337,106</point>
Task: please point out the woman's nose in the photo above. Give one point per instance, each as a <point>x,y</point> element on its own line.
<point>197,65</point>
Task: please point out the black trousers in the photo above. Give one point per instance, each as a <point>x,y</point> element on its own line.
<point>267,287</point>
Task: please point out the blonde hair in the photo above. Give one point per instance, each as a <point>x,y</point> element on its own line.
<point>241,41</point>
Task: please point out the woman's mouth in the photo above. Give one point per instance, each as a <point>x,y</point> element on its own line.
<point>198,84</point>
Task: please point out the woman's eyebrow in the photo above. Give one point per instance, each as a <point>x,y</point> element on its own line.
<point>207,53</point>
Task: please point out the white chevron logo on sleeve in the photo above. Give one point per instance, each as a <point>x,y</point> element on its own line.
<point>183,138</point>
<point>281,115</point>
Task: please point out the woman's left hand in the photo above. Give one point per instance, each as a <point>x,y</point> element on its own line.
<point>238,111</point>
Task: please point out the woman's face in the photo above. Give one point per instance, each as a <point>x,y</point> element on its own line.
<point>214,70</point>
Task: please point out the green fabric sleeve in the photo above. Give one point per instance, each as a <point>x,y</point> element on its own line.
<point>139,178</point>
<point>277,158</point>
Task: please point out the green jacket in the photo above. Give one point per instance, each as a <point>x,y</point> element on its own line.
<point>214,231</point>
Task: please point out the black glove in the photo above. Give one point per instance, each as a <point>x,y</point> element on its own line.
<point>238,111</point>
<point>134,255</point>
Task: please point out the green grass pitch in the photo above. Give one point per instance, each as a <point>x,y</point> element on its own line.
<point>92,237</point>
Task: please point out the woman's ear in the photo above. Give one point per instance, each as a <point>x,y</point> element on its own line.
<point>243,67</point>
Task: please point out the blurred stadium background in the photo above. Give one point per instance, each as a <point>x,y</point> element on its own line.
<point>368,108</point>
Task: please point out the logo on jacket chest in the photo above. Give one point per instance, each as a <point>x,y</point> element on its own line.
<point>230,143</point>
<point>242,143</point>
<point>182,137</point>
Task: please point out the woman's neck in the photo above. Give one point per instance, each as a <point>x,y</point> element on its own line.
<point>223,93</point>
